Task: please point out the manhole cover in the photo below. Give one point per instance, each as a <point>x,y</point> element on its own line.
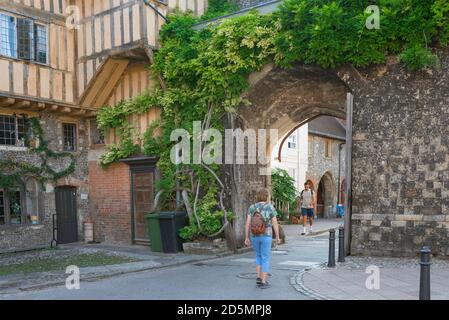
<point>250,276</point>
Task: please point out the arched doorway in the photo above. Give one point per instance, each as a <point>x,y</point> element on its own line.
<point>320,200</point>
<point>282,100</point>
<point>325,196</point>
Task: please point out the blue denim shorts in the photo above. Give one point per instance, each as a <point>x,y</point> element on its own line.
<point>307,212</point>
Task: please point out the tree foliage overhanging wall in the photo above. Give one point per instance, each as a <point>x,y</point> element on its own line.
<point>207,70</point>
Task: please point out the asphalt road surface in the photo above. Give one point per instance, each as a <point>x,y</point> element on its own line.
<point>231,277</point>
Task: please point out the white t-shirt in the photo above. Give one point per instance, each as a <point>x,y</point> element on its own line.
<point>307,199</point>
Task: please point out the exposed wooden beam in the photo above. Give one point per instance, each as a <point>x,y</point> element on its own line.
<point>54,107</point>
<point>66,110</point>
<point>90,114</point>
<point>22,104</point>
<point>4,102</point>
<point>41,105</point>
<point>101,85</point>
<point>80,112</point>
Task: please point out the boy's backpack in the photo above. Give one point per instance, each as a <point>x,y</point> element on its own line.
<point>258,224</point>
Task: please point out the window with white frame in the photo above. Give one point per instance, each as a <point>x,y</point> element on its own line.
<point>292,141</point>
<point>23,38</point>
<point>12,130</point>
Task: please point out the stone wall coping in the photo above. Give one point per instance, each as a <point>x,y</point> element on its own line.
<point>13,148</point>
<point>400,217</point>
<point>14,228</point>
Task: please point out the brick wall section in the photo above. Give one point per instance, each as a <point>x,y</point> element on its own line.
<point>110,202</point>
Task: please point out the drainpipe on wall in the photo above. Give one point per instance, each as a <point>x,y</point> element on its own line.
<point>348,173</point>
<point>340,146</point>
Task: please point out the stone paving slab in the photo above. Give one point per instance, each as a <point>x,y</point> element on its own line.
<point>399,279</point>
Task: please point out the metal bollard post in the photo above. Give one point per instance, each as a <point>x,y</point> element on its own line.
<point>341,244</point>
<point>424,280</point>
<point>331,262</point>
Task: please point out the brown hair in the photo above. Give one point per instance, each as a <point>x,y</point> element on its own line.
<point>310,183</point>
<point>262,195</point>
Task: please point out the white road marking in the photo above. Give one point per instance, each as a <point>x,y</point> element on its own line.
<point>299,263</point>
<point>279,252</point>
<point>246,260</point>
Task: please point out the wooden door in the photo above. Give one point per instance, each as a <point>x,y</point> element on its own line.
<point>66,215</point>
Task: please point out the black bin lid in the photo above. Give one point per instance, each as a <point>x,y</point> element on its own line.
<point>171,215</point>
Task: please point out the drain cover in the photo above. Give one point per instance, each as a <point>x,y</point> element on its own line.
<point>250,276</point>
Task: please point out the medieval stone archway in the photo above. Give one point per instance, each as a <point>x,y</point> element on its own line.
<point>325,196</point>
<point>281,99</point>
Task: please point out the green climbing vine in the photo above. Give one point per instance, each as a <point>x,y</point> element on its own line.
<point>203,73</point>
<point>13,172</point>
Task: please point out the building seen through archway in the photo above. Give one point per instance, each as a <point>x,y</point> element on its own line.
<point>315,152</point>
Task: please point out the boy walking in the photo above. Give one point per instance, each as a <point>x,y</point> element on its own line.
<point>306,204</point>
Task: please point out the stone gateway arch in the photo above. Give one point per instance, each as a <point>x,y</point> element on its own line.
<point>398,186</point>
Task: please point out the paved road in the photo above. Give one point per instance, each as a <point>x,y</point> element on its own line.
<point>230,277</point>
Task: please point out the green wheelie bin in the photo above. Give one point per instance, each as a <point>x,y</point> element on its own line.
<point>154,232</point>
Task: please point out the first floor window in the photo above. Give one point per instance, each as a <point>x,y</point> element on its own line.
<point>23,38</point>
<point>40,36</point>
<point>8,36</point>
<point>69,134</point>
<point>96,135</point>
<point>292,141</point>
<point>12,130</point>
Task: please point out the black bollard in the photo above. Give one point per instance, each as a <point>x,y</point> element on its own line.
<point>424,280</point>
<point>331,262</point>
<point>341,244</point>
